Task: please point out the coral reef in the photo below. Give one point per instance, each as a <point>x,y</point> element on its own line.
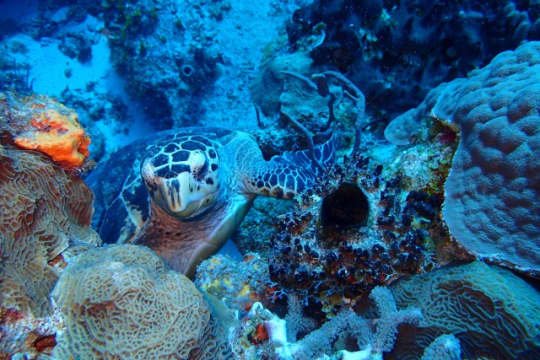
<point>122,301</point>
<point>399,50</point>
<point>45,210</point>
<point>43,124</point>
<point>492,312</point>
<point>238,283</point>
<point>180,60</point>
<point>491,193</point>
<point>419,245</point>
<point>445,347</point>
<point>262,334</point>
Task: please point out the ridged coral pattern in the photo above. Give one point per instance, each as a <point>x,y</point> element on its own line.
<point>44,210</point>
<point>491,311</point>
<point>122,302</point>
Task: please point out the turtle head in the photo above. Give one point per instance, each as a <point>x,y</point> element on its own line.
<point>184,183</point>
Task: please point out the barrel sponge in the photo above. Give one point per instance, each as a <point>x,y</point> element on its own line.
<point>493,312</point>
<point>491,194</point>
<point>122,302</point>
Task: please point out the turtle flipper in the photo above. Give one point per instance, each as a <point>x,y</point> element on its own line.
<point>291,173</point>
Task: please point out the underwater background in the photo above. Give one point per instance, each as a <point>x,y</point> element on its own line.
<point>272,179</point>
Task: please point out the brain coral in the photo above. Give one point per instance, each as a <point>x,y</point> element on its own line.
<point>491,194</point>
<point>121,302</point>
<point>43,211</point>
<point>494,313</point>
<point>43,124</point>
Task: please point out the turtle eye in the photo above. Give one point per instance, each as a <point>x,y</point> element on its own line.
<point>198,164</point>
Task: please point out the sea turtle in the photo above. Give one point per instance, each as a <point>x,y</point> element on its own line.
<point>183,193</point>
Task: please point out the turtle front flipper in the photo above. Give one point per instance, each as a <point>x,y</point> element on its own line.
<point>292,173</point>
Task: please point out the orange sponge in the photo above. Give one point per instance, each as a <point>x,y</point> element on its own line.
<point>43,124</point>
<point>54,130</point>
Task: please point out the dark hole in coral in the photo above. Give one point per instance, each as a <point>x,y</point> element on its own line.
<point>347,206</point>
<point>187,70</point>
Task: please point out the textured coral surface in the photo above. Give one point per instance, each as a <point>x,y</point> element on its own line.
<point>491,194</point>
<point>122,302</point>
<point>238,284</point>
<point>492,312</point>
<point>41,123</point>
<point>43,211</point>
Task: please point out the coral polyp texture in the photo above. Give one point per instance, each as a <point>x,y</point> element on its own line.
<point>45,209</point>
<point>238,283</point>
<point>43,124</point>
<point>492,312</point>
<point>491,194</point>
<point>123,302</point>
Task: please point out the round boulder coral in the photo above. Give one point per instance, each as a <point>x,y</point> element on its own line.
<point>491,194</point>
<point>122,302</point>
